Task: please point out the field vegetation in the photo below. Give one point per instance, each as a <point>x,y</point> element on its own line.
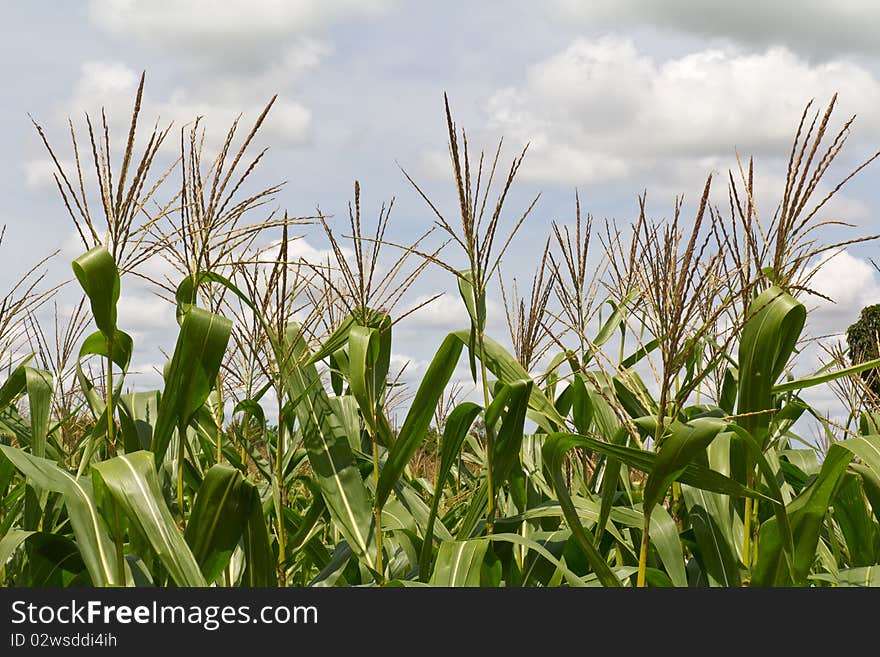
<point>638,426</point>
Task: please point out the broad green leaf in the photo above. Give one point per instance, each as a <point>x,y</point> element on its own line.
<point>553,452</point>
<point>218,517</point>
<point>806,514</point>
<point>96,547</point>
<point>420,415</point>
<point>864,576</point>
<point>475,304</point>
<point>137,416</point>
<point>328,450</point>
<point>871,485</point>
<point>458,424</point>
<point>201,344</point>
<point>259,558</point>
<point>132,482</point>
<point>571,578</point>
<point>15,383</point>
<point>614,322</point>
<point>13,540</point>
<point>508,441</point>
<point>664,536</point>
<point>854,519</point>
<point>99,278</point>
<point>693,474</point>
<point>459,563</point>
<point>825,377</point>
<point>40,386</point>
<point>54,561</point>
<point>711,523</point>
<point>774,323</point>
<point>368,371</point>
<point>681,444</point>
<point>508,370</point>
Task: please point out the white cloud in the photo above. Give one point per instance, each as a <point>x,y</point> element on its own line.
<point>230,57</point>
<point>301,249</point>
<point>447,313</point>
<point>38,171</point>
<point>142,311</point>
<point>602,110</point>
<point>112,85</point>
<point>200,24</point>
<point>226,49</point>
<point>851,282</point>
<point>226,59</point>
<point>810,26</point>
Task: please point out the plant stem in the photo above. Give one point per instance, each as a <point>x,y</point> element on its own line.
<point>279,476</point>
<point>490,510</point>
<point>111,447</point>
<point>643,552</point>
<point>218,420</point>
<point>181,456</point>
<point>377,512</point>
<point>747,517</point>
<point>747,531</point>
<point>111,437</point>
<point>676,496</point>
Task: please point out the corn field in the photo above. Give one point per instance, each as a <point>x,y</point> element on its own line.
<point>637,426</point>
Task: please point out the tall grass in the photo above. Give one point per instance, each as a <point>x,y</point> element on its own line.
<point>642,429</point>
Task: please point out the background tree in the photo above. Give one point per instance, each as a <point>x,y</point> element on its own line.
<point>863,338</point>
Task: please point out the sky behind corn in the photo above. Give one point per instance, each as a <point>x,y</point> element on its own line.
<point>613,97</point>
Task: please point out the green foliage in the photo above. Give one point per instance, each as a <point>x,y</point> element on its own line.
<point>862,339</point>
<point>585,474</point>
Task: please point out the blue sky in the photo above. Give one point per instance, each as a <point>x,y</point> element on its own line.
<point>615,98</point>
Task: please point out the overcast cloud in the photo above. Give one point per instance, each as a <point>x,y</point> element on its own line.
<point>614,97</point>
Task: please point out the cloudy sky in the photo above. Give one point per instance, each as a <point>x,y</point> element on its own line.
<point>614,97</point>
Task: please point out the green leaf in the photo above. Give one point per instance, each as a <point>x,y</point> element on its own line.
<point>218,517</point>
<point>99,278</point>
<point>507,369</point>
<point>458,424</point>
<point>553,452</point>
<point>198,354</point>
<point>420,415</point>
<point>14,384</point>
<point>132,482</point>
<point>774,324</point>
<point>328,449</point>
<point>459,563</point>
<point>854,519</point>
<point>693,474</point>
<point>865,576</point>
<point>508,442</point>
<point>871,485</point>
<point>13,540</point>
<point>615,321</point>
<point>571,578</point>
<point>680,446</point>
<point>711,523</point>
<point>664,536</point>
<point>40,387</point>
<point>54,561</point>
<point>137,416</point>
<point>94,544</point>
<point>259,558</point>
<point>819,379</point>
<point>367,376</point>
<point>805,513</point>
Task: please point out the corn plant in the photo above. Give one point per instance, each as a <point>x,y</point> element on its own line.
<point>642,429</point>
